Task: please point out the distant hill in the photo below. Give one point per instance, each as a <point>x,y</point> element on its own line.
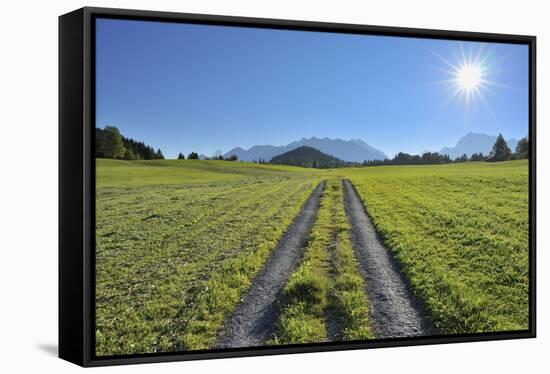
<point>475,143</point>
<point>307,157</point>
<point>354,150</point>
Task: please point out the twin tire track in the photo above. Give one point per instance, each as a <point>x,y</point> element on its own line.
<point>394,311</point>
<point>253,321</point>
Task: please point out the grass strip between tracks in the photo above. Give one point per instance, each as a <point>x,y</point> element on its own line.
<point>327,288</point>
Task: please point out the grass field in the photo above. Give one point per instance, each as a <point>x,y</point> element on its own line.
<point>178,243</point>
<point>461,233</point>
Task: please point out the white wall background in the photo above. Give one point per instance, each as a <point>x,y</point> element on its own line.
<point>28,183</point>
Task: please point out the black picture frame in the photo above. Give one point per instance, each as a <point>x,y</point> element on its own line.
<point>77,183</point>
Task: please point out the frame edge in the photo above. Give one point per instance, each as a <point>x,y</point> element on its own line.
<point>71,231</point>
<point>75,130</point>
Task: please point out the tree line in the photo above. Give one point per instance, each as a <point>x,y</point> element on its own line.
<point>195,156</point>
<point>109,143</point>
<point>500,152</point>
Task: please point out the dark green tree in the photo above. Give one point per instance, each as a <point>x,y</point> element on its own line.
<point>129,154</point>
<point>109,143</point>
<point>462,158</point>
<point>315,165</point>
<point>522,149</point>
<point>193,156</point>
<point>427,158</point>
<point>500,151</point>
<point>477,157</point>
<point>181,156</point>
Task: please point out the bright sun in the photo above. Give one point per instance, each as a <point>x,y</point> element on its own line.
<point>468,77</point>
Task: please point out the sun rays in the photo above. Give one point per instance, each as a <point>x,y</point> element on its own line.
<point>469,75</point>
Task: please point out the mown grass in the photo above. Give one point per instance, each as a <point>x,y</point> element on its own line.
<point>177,247</point>
<point>461,233</point>
<point>349,298</point>
<point>325,296</point>
<point>178,243</point>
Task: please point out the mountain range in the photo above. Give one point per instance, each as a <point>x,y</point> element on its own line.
<point>475,143</point>
<point>354,150</point>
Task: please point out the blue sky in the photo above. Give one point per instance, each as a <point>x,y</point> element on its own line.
<point>202,88</point>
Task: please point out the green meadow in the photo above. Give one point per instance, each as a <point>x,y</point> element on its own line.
<point>178,243</point>
<point>461,234</point>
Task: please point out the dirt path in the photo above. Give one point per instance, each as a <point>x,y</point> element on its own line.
<point>394,311</point>
<point>253,321</point>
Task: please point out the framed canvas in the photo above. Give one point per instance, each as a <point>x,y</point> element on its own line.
<point>236,186</point>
